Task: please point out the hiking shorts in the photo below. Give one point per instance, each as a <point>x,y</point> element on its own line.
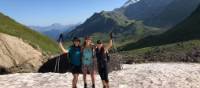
<point>103,72</point>
<point>75,69</point>
<point>88,68</point>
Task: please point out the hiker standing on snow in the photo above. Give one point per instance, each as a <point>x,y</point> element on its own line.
<point>74,53</point>
<point>88,63</point>
<point>102,59</point>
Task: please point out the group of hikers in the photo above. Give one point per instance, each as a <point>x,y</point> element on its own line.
<point>82,59</point>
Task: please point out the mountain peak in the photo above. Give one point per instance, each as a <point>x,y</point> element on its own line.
<point>129,2</point>
<point>56,24</point>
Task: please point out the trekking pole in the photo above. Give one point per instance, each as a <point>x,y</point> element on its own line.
<point>58,69</point>
<point>114,46</point>
<point>117,62</point>
<point>55,67</point>
<point>113,39</point>
<point>116,50</point>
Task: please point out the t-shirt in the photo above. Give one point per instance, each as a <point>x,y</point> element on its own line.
<point>75,55</point>
<point>87,56</point>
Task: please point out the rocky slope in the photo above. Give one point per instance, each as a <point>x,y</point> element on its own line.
<point>18,56</point>
<point>152,75</point>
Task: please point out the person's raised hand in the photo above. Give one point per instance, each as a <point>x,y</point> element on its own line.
<point>111,35</point>
<point>60,39</point>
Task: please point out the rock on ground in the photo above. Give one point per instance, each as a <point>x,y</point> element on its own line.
<point>151,75</point>
<point>15,52</point>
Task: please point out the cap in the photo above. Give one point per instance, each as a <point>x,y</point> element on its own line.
<point>76,39</point>
<point>99,42</point>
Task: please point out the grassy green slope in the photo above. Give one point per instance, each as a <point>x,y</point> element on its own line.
<point>125,31</point>
<point>186,30</point>
<point>181,43</point>
<point>11,27</point>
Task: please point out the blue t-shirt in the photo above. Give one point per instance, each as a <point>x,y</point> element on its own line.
<point>87,56</point>
<point>75,55</point>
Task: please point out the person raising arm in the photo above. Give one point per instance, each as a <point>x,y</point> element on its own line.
<point>110,44</point>
<point>74,53</point>
<point>102,60</point>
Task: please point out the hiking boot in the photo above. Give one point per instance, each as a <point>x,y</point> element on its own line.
<point>85,85</point>
<point>93,86</point>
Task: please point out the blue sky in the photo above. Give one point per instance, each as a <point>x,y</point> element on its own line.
<point>46,12</point>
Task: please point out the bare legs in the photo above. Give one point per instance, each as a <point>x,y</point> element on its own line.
<point>105,84</point>
<point>92,74</point>
<point>84,76</point>
<point>75,80</point>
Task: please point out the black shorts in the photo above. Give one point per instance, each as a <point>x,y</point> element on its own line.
<point>103,71</point>
<point>76,69</point>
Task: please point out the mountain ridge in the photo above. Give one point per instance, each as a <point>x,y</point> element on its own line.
<point>54,30</point>
<point>120,19</point>
<point>184,31</point>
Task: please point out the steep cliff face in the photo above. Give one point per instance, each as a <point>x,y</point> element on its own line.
<point>18,56</point>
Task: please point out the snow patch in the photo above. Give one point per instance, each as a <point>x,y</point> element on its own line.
<point>151,75</point>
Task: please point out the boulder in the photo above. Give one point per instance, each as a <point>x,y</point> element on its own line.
<point>17,55</point>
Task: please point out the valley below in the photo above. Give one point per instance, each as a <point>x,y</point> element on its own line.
<point>149,75</point>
